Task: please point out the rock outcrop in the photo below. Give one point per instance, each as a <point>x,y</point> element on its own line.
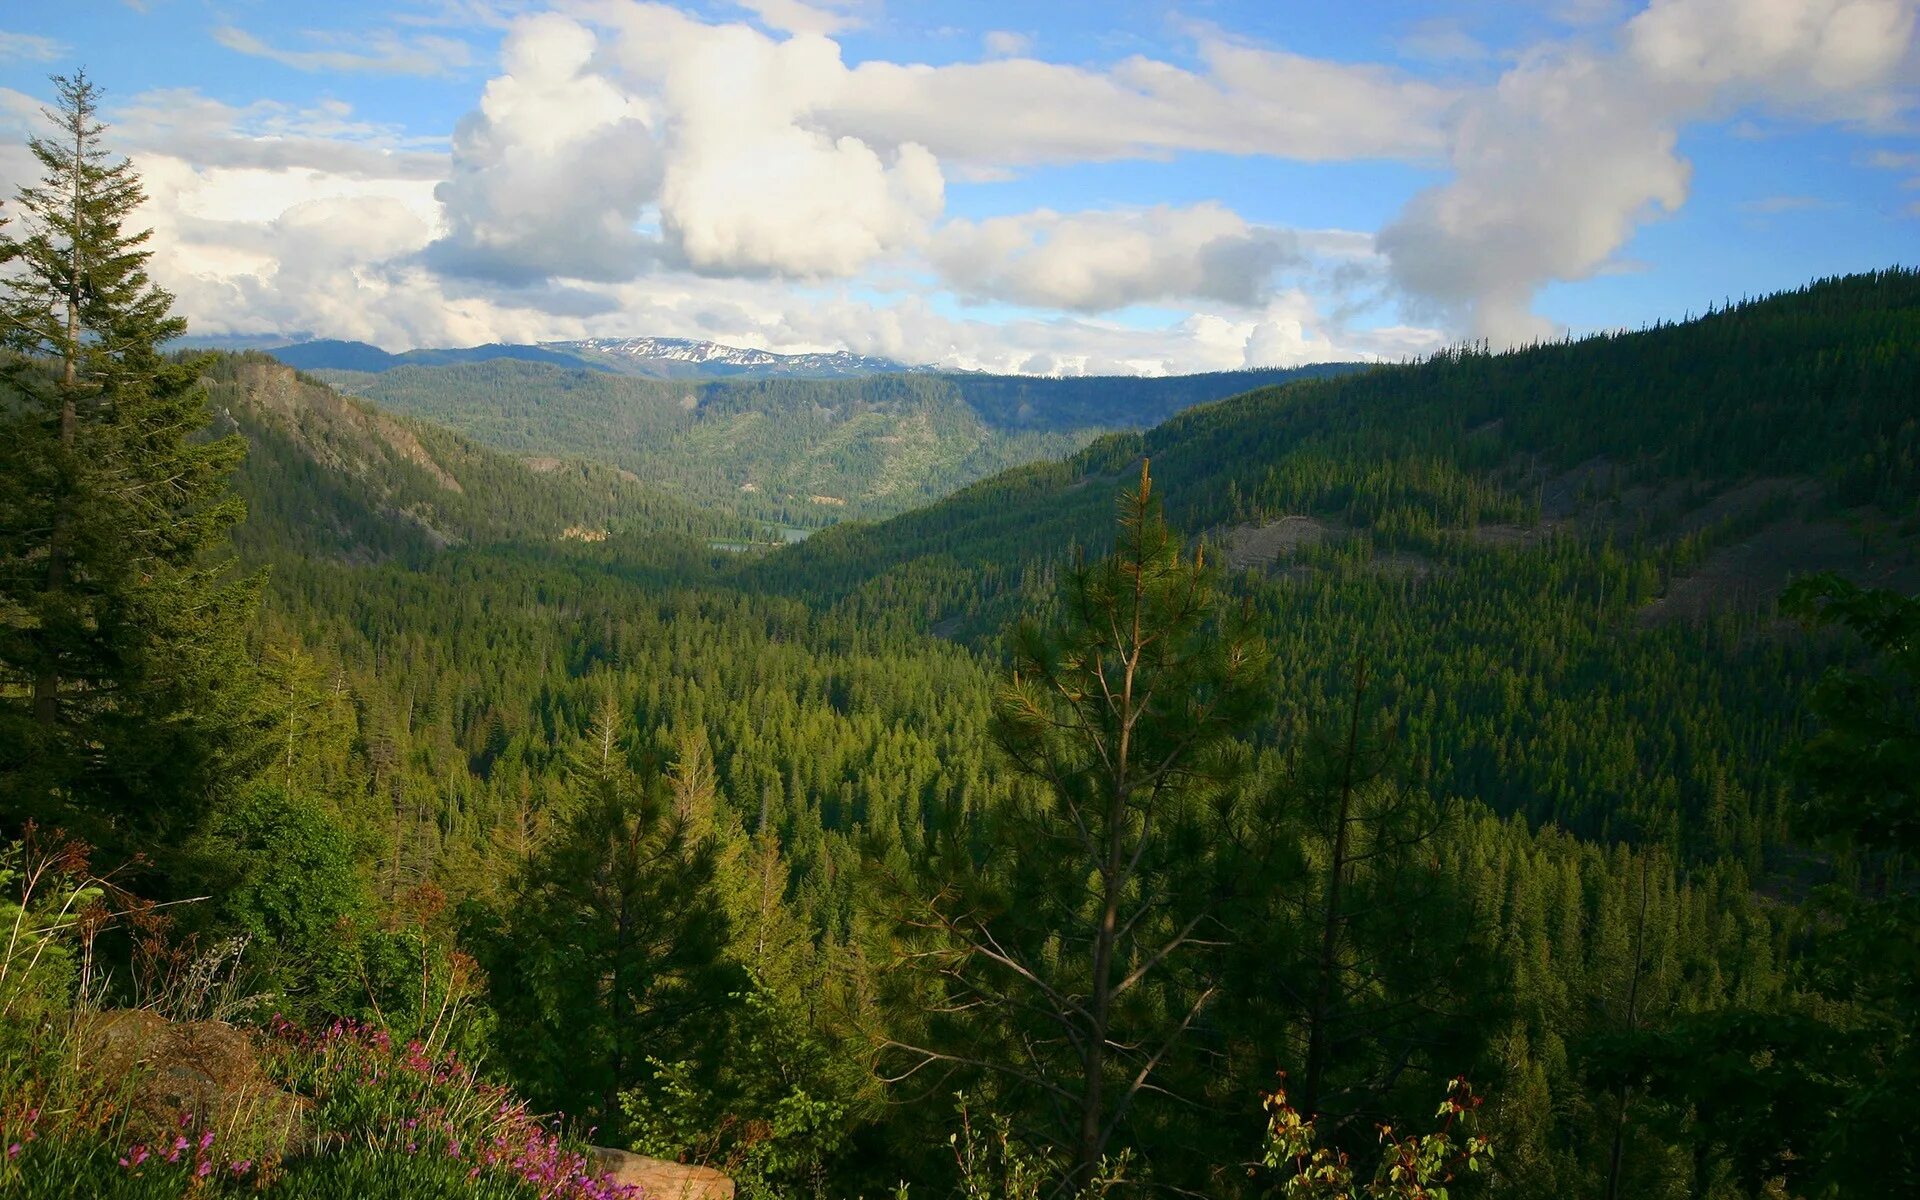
<point>658,1179</point>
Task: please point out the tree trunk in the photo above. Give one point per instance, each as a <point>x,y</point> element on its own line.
<point>1092,1140</point>
<point>1320,1017</point>
<point>1633,1020</point>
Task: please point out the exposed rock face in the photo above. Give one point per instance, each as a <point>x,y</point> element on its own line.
<point>658,1179</point>
<point>205,1068</point>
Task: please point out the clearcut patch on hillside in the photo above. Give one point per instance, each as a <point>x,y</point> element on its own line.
<point>1750,574</point>
<point>1268,542</point>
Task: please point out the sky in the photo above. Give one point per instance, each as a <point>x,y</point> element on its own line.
<point>1047,186</point>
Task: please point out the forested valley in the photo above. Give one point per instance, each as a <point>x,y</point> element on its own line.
<point>1532,737</point>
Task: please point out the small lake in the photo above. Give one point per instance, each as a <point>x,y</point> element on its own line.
<point>777,535</point>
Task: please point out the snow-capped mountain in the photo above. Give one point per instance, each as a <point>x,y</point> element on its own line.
<point>656,358</point>
<point>686,358</point>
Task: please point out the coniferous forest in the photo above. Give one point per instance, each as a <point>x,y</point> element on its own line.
<point>1492,775</point>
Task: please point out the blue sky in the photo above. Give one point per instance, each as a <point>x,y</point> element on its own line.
<point>1134,185</point>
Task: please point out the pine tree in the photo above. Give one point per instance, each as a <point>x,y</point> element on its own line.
<point>124,682</point>
<point>1074,960</point>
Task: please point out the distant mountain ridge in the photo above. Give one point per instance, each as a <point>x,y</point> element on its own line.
<point>655,357</point>
<point>646,357</point>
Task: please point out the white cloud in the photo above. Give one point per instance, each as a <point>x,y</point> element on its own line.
<point>1573,149</point>
<point>794,16</point>
<point>1440,40</point>
<point>380,53</point>
<point>704,131</point>
<point>1006,43</point>
<point>551,172</point>
<point>750,185</point>
<point>1096,261</point>
<point>1907,164</point>
<point>30,47</point>
<point>634,168</point>
<point>181,123</point>
<point>744,153</point>
<point>1247,100</point>
<point>1287,331</point>
<point>1773,206</point>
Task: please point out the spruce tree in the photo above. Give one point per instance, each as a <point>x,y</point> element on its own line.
<point>124,682</point>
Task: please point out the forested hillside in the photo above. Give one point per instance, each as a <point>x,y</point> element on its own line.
<point>1188,816</point>
<point>801,452</point>
<point>329,476</point>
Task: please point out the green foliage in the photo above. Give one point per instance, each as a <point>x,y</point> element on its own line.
<point>775,1118</point>
<point>46,895</point>
<point>1070,953</point>
<point>993,1163</point>
<point>1410,1168</point>
<point>796,452</point>
<point>329,475</point>
<point>286,876</point>
<point>385,1175</point>
<point>1556,840</point>
<point>607,954</point>
<point>1862,766</point>
<point>122,672</point>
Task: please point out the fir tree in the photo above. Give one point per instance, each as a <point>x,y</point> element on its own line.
<point>124,683</point>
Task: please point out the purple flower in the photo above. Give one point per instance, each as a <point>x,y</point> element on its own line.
<point>13,1151</point>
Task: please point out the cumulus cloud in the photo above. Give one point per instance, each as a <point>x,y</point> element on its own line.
<point>750,185</point>
<point>550,174</point>
<point>1097,261</point>
<point>1573,149</point>
<point>746,153</point>
<point>703,131</point>
<point>380,53</point>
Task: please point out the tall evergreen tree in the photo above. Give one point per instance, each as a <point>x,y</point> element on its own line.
<point>1082,940</point>
<point>610,954</point>
<point>124,683</point>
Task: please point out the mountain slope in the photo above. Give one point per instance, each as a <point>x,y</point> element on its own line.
<point>1634,436</point>
<point>804,452</point>
<point>330,475</point>
<point>1558,564</point>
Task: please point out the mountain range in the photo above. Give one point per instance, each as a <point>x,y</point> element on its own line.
<point>646,357</point>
